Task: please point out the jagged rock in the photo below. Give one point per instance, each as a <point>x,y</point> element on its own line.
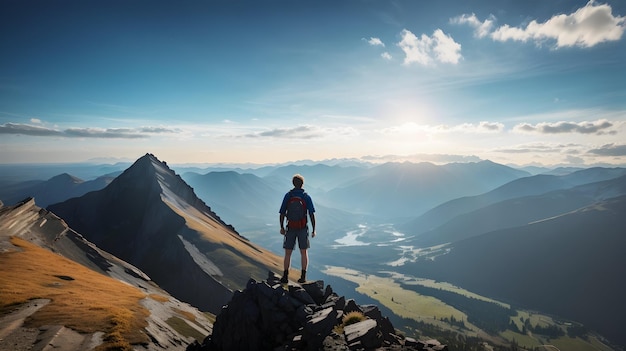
<point>363,335</point>
<point>371,311</point>
<point>320,325</point>
<point>266,316</point>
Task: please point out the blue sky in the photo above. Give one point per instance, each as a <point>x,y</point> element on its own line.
<point>517,82</point>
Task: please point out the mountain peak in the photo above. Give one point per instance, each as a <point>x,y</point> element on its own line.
<point>147,165</point>
<point>64,178</point>
<point>153,178</point>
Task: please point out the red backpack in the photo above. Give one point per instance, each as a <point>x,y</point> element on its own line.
<point>296,212</point>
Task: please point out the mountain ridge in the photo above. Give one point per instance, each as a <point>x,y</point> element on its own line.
<point>406,190</point>
<point>151,218</point>
<point>521,187</point>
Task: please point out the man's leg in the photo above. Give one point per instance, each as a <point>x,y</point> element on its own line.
<point>286,264</point>
<point>287,259</point>
<point>304,256</point>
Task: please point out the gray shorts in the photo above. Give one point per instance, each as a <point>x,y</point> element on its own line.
<point>289,241</point>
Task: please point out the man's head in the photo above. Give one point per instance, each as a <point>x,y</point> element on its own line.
<point>298,181</point>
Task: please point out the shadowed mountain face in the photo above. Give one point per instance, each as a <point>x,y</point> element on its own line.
<point>151,218</point>
<point>570,265</point>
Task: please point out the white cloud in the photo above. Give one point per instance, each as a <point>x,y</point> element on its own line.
<point>301,132</point>
<point>587,27</point>
<point>98,133</point>
<point>480,128</point>
<point>599,127</point>
<point>304,132</point>
<point>435,158</point>
<point>481,29</point>
<point>375,42</point>
<point>491,126</point>
<point>446,49</point>
<point>610,150</point>
<point>538,148</point>
<point>574,160</point>
<point>416,50</point>
<point>35,120</point>
<point>386,55</point>
<point>425,50</point>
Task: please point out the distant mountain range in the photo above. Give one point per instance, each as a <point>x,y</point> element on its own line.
<point>56,189</point>
<point>405,190</point>
<point>522,187</point>
<point>507,206</point>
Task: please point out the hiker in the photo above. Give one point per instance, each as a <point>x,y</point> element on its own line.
<point>295,206</point>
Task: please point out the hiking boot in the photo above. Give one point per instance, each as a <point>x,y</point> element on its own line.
<point>303,277</point>
<point>284,279</point>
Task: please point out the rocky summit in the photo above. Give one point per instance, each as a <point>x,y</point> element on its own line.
<point>268,315</point>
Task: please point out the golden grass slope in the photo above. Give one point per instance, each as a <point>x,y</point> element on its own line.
<point>81,299</point>
<point>237,256</point>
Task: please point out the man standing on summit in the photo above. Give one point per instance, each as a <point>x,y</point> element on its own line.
<point>295,206</point>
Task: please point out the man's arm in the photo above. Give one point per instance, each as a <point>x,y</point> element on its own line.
<point>312,216</point>
<point>282,225</point>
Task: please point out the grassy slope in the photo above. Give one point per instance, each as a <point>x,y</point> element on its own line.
<point>238,258</point>
<point>90,302</point>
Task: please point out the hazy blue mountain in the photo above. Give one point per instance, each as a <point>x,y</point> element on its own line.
<point>16,173</point>
<point>485,173</point>
<point>534,170</point>
<point>396,190</point>
<point>151,218</point>
<point>56,189</point>
<point>12,192</point>
<point>563,170</point>
<point>526,186</point>
<point>244,198</point>
<point>320,176</point>
<point>523,210</point>
<point>570,265</point>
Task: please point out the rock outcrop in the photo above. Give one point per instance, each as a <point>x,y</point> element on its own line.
<point>267,315</point>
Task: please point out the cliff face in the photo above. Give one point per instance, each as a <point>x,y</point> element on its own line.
<point>151,218</point>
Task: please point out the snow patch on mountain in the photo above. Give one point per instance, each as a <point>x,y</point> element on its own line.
<point>201,260</point>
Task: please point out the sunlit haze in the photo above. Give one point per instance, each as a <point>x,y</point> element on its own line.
<point>516,82</point>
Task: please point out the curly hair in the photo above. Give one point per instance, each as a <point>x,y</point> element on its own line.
<point>298,181</point>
